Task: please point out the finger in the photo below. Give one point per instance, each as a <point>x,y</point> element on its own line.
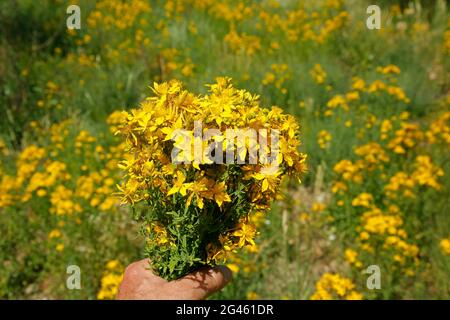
<point>202,283</point>
<point>137,279</point>
<point>139,270</point>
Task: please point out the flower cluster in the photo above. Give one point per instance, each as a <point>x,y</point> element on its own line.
<point>110,281</point>
<point>195,208</point>
<point>381,234</point>
<point>425,173</point>
<point>333,286</point>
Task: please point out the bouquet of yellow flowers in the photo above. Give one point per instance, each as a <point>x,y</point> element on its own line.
<point>199,166</point>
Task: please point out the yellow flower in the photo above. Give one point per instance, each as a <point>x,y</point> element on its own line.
<point>407,137</point>
<point>318,74</point>
<point>246,233</point>
<point>247,43</point>
<point>338,186</point>
<point>349,171</point>
<point>251,295</point>
<point>445,246</point>
<point>426,172</point>
<point>179,185</point>
<point>110,281</point>
<point>233,267</point>
<point>364,235</point>
<point>333,286</point>
<point>400,182</point>
<point>55,233</point>
<point>353,295</point>
<point>112,264</point>
<point>363,200</point>
<point>269,177</point>
<point>198,189</point>
<point>219,193</point>
<point>358,84</point>
<point>323,139</point>
<point>170,181</point>
<point>318,207</point>
<point>389,69</point>
<point>352,258</point>
<point>63,203</point>
<point>338,101</point>
<point>372,154</point>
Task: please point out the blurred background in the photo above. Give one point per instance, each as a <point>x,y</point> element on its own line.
<point>375,117</point>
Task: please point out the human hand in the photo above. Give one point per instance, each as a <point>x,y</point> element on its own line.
<point>139,283</point>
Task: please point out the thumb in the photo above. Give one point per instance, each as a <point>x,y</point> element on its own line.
<point>202,283</point>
